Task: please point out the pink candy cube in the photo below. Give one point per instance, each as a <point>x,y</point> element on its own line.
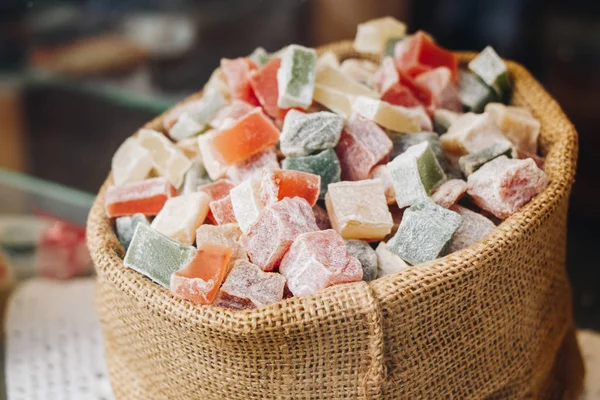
<point>503,186</point>
<point>278,224</point>
<point>318,260</point>
<point>222,211</point>
<point>252,167</point>
<point>362,146</point>
<point>442,88</point>
<point>233,112</point>
<point>449,193</point>
<point>247,286</point>
<point>237,72</point>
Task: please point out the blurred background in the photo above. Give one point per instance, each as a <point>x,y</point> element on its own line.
<point>77,77</point>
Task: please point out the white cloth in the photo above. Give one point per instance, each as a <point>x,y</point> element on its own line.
<point>53,342</point>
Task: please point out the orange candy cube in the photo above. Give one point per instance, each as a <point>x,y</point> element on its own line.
<point>278,184</point>
<point>418,53</point>
<point>237,72</point>
<point>251,134</point>
<point>200,280</point>
<point>146,197</point>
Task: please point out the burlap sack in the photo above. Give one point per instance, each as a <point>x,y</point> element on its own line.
<point>490,321</point>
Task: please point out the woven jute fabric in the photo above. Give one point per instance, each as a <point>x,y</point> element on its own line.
<point>490,321</point>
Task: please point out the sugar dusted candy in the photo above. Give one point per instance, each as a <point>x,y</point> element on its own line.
<point>324,164</point>
<point>264,84</point>
<point>181,216</point>
<point>194,178</point>
<point>470,133</point>
<point>361,71</point>
<point>424,232</point>
<point>405,140</point>
<point>517,124</point>
<point>277,226</point>
<point>195,119</point>
<point>146,197</point>
<point>200,279</point>
<point>358,210</point>
<point>439,82</point>
<point>304,134</point>
<point>442,119</point>
<point>217,81</point>
<point>246,203</point>
<point>390,46</point>
<point>474,94</point>
<point>382,173</point>
<point>503,186</point>
<point>398,89</point>
<point>222,211</point>
<point>249,135</point>
<point>362,145</point>
<point>184,128</point>
<point>396,118</point>
<point>373,36</point>
<point>472,162</point>
<point>278,184</point>
<point>237,73</point>
<point>231,113</point>
<point>248,285</point>
<point>418,53</point>
<point>296,77</point>
<point>329,58</point>
<point>449,193</point>
<point>335,100</point>
<point>125,227</point>
<point>253,166</point>
<point>388,263</point>
<point>155,255</point>
<point>226,234</point>
<point>200,110</point>
<point>317,260</point>
<point>415,173</point>
<point>132,162</point>
<point>260,56</point>
<point>167,159</point>
<point>488,66</point>
<point>334,78</point>
<point>366,256</point>
<point>321,217</point>
<point>473,228</point>
<point>189,148</point>
<point>218,189</point>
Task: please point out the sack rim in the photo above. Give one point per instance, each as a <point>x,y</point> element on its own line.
<point>558,142</point>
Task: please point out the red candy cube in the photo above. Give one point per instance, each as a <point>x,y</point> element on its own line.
<point>146,197</point>
<point>418,53</point>
<point>237,72</point>
<point>278,184</point>
<point>264,83</point>
<point>200,280</point>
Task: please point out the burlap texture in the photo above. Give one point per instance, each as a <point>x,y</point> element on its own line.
<point>490,321</point>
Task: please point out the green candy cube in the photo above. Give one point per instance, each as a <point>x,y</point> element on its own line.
<point>472,162</point>
<point>402,141</point>
<point>260,56</point>
<point>325,164</point>
<point>125,227</point>
<point>390,46</point>
<point>155,255</point>
<point>367,257</point>
<point>304,134</point>
<point>424,232</point>
<point>415,173</point>
<point>296,77</point>
<point>474,94</point>
<point>488,66</point>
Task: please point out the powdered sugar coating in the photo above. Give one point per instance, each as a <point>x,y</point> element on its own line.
<point>247,281</point>
<point>449,193</point>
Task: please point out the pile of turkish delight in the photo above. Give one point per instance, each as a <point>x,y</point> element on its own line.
<point>295,172</point>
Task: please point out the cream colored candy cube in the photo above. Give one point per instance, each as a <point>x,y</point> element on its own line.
<point>361,71</point>
<point>329,58</point>
<point>358,209</point>
<point>396,118</point>
<point>470,133</point>
<point>215,168</point>
<point>184,128</point>
<point>167,159</point>
<point>336,79</point>
<point>388,262</point>
<point>218,81</point>
<point>132,162</point>
<point>336,101</point>
<point>372,36</point>
<point>226,234</point>
<point>181,216</point>
<point>517,124</point>
<point>245,200</point>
